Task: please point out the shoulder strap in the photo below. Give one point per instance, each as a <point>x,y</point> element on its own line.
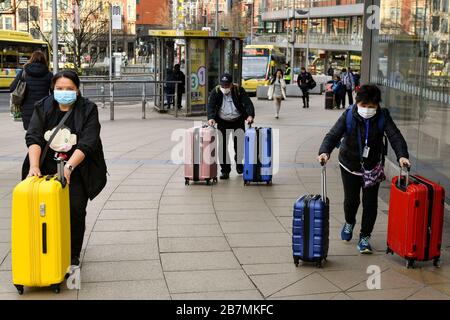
<point>61,123</point>
<point>381,120</point>
<point>349,119</point>
<point>22,76</point>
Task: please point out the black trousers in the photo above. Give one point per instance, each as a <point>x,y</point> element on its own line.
<point>179,98</point>
<point>78,204</point>
<point>352,190</point>
<point>305,97</point>
<point>226,128</point>
<point>340,99</point>
<point>349,92</point>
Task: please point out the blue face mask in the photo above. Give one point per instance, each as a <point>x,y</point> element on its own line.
<point>65,97</point>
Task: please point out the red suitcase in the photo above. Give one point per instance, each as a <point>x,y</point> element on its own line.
<point>415,221</point>
<point>200,155</point>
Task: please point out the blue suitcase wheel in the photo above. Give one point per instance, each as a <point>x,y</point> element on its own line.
<point>296,261</point>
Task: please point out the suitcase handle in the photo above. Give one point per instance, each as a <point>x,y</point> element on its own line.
<point>408,169</point>
<point>323,182</point>
<point>60,175</point>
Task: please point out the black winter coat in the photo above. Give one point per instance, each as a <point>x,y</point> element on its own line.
<point>241,101</point>
<point>87,128</point>
<point>304,80</point>
<point>38,79</point>
<point>349,154</point>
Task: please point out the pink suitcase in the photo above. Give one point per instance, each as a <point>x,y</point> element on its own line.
<point>200,155</point>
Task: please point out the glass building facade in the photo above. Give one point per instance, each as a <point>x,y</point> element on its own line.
<point>410,61</point>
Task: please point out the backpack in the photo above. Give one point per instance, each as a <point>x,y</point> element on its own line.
<point>350,123</point>
<point>346,80</point>
<point>17,97</point>
<point>312,84</point>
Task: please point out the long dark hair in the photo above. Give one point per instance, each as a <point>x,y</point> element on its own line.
<point>66,74</point>
<point>274,77</point>
<point>38,57</point>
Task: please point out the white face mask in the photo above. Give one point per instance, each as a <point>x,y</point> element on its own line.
<point>367,113</point>
<point>225,91</point>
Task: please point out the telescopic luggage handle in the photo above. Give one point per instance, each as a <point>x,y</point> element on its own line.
<point>323,181</point>
<point>399,183</point>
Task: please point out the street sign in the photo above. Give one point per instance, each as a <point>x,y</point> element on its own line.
<point>116,17</point>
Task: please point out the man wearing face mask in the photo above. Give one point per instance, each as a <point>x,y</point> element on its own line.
<point>230,107</point>
<point>361,155</point>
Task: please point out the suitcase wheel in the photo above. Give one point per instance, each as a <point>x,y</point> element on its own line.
<point>296,261</point>
<point>215,180</point>
<point>269,183</point>
<point>389,251</point>
<point>186,182</point>
<point>410,264</point>
<point>19,289</point>
<point>436,262</point>
<point>319,264</point>
<point>56,288</point>
<point>246,183</point>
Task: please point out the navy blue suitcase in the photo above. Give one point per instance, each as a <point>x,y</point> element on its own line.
<point>258,160</point>
<point>311,227</point>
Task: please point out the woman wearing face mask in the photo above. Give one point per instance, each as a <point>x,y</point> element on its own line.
<point>277,91</point>
<point>85,169</point>
<point>361,158</point>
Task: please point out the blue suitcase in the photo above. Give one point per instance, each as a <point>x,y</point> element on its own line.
<point>311,227</point>
<point>258,155</point>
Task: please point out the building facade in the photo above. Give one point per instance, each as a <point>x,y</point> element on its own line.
<point>407,54</point>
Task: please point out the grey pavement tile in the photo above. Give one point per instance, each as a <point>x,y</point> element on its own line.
<point>150,176</point>
<point>5,223</point>
<point>357,262</point>
<point>183,209</point>
<point>181,200</point>
<point>140,189</point>
<point>231,206</point>
<point>388,294</point>
<point>40,294</point>
<point>391,279</point>
<point>187,219</point>
<point>152,204</point>
<point>125,214</point>
<point>116,196</point>
<point>312,284</point>
<point>144,182</point>
<point>122,237</point>
<point>129,252</point>
<point>271,283</point>
<point>5,236</point>
<point>125,290</point>
<point>442,287</point>
<point>125,225</point>
<point>273,268</point>
<point>245,217</point>
<point>191,244</point>
<point>6,265</point>
<point>346,279</point>
<point>181,231</point>
<point>206,281</point>
<point>318,296</point>
<point>251,227</point>
<point>241,240</point>
<point>6,284</point>
<point>341,296</point>
<point>196,261</point>
<point>283,211</point>
<point>5,248</point>
<point>121,271</point>
<point>264,255</point>
<point>428,293</point>
<point>224,295</point>
<point>187,193</point>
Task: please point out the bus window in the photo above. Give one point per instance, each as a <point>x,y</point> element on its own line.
<point>254,67</point>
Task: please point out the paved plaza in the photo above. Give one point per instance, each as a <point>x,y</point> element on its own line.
<point>149,236</point>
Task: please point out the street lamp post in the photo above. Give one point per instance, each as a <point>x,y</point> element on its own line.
<point>307,34</point>
<point>55,36</point>
<point>217,17</point>
<point>293,35</point>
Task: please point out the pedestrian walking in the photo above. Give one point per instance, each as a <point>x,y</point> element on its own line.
<point>339,92</point>
<point>178,75</point>
<point>288,74</point>
<point>38,78</point>
<point>78,138</point>
<point>361,158</point>
<point>330,71</point>
<point>230,107</point>
<point>277,91</point>
<point>349,82</point>
<point>304,81</point>
<point>170,88</point>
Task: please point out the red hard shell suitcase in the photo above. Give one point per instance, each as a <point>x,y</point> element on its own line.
<point>415,221</point>
<point>200,155</point>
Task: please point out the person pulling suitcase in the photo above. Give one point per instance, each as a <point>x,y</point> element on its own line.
<point>361,158</point>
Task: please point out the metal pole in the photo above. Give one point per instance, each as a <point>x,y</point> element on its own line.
<point>175,107</point>
<point>143,100</point>
<point>293,35</point>
<point>217,18</point>
<point>55,35</point>
<point>111,100</point>
<point>110,42</point>
<point>307,35</point>
<point>251,23</point>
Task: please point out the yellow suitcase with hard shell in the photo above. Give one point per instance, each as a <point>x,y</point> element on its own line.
<point>40,233</point>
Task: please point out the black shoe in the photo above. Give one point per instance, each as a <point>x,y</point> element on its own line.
<point>75,261</point>
<point>225,176</point>
<point>239,169</point>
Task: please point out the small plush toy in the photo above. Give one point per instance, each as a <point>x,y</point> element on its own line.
<point>63,141</point>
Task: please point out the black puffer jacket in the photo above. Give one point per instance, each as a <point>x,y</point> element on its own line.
<point>38,79</point>
<point>349,154</point>
<point>240,99</point>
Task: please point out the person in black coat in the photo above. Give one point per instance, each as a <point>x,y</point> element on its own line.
<point>230,107</point>
<point>367,154</point>
<point>178,75</point>
<point>38,79</point>
<point>304,82</point>
<point>85,169</point>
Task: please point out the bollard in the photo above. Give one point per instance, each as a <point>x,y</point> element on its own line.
<point>143,100</point>
<point>111,101</point>
<point>102,91</point>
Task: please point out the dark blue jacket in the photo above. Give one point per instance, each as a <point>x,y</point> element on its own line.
<point>38,79</point>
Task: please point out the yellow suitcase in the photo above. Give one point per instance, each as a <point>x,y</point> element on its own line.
<point>40,233</point>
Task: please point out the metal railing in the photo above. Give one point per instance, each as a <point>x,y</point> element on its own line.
<point>314,39</point>
<point>124,89</point>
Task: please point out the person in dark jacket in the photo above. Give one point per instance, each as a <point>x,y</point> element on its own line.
<point>38,79</point>
<point>230,106</point>
<point>170,88</point>
<point>304,81</point>
<point>339,92</point>
<point>85,169</point>
<point>355,157</point>
<point>178,75</point>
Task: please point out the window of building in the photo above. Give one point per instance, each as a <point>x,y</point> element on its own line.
<point>137,17</point>
<point>7,23</point>
<point>23,15</point>
<point>5,5</point>
<point>47,25</point>
<point>34,13</point>
<point>138,1</point>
